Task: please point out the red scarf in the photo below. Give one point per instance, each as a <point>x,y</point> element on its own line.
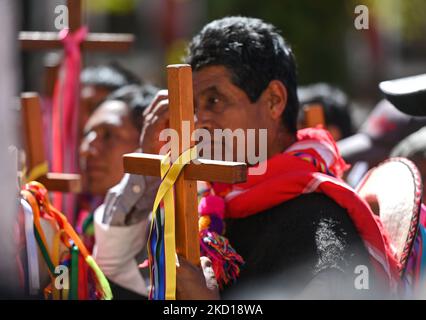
<point>309,166</point>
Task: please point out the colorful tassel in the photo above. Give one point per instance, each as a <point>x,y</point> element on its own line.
<point>226,261</point>
<point>36,195</point>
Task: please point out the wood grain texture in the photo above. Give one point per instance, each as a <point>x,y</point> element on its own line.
<point>179,79</point>
<point>33,129</point>
<point>94,41</point>
<point>62,182</point>
<point>74,14</point>
<point>314,115</point>
<point>34,146</point>
<point>186,203</point>
<point>202,170</point>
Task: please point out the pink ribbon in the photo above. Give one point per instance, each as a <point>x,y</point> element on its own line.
<point>65,110</point>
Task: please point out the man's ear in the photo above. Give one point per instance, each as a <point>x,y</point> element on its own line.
<point>276,97</point>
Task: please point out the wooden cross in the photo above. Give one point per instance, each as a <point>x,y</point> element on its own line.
<point>93,41</point>
<point>186,202</point>
<point>314,115</point>
<point>31,107</point>
<point>35,151</point>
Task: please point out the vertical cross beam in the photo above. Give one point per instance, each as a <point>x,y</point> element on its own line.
<point>74,14</point>
<point>35,151</point>
<point>186,202</point>
<point>314,115</point>
<point>33,129</point>
<point>179,78</point>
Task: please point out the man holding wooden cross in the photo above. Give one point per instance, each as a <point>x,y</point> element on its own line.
<point>299,229</point>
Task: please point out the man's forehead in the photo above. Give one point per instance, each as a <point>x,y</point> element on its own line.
<point>210,76</point>
<point>92,91</point>
<point>113,106</point>
<point>108,113</point>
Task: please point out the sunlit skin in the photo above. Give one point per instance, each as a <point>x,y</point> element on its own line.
<point>90,98</point>
<point>108,135</point>
<point>220,104</point>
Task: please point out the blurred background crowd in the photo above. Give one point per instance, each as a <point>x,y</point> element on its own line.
<point>339,67</point>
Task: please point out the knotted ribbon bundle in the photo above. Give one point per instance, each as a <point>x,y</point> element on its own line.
<point>161,240</point>
<point>67,251</point>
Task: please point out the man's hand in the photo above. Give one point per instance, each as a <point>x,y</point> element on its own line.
<point>194,282</point>
<point>156,119</point>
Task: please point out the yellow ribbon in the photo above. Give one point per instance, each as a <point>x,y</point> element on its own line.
<point>56,216</point>
<point>38,171</point>
<point>169,175</point>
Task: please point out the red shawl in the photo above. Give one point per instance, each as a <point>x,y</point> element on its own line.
<point>313,164</point>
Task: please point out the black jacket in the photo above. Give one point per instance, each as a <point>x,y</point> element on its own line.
<point>306,246</point>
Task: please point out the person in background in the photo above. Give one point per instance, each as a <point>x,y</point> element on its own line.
<point>244,76</point>
<point>335,104</point>
<point>384,128</point>
<point>112,130</point>
<point>413,148</point>
<point>97,82</point>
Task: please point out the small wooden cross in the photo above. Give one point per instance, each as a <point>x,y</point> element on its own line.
<point>314,115</point>
<point>31,107</point>
<point>186,202</point>
<point>35,151</point>
<point>93,41</point>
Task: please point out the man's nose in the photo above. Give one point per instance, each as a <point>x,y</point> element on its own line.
<point>203,121</point>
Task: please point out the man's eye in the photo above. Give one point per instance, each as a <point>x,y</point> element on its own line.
<point>107,135</point>
<point>213,100</point>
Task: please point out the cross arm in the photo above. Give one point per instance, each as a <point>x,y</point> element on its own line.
<point>204,170</point>
<point>61,182</point>
<point>30,40</point>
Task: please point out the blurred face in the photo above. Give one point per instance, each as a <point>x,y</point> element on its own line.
<point>90,98</point>
<point>219,104</point>
<point>108,134</point>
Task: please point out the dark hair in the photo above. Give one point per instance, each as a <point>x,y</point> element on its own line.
<point>137,98</point>
<point>255,54</point>
<point>110,76</point>
<point>335,105</point>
